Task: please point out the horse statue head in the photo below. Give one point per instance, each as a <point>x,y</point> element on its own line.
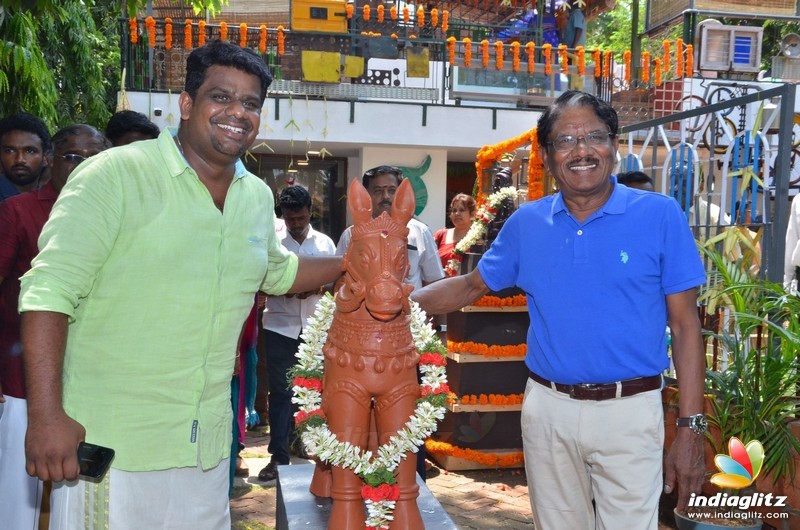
<point>376,262</point>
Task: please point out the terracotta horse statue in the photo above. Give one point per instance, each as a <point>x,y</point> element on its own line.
<point>370,382</point>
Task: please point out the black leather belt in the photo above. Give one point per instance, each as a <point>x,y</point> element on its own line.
<point>603,391</point>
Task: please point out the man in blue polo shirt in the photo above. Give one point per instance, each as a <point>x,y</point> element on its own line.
<point>592,258</point>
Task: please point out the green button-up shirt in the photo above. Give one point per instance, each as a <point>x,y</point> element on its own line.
<point>157,283</point>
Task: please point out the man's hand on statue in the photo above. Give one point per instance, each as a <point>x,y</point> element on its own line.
<point>51,447</point>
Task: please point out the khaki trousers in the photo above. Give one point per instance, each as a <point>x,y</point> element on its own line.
<point>607,451</point>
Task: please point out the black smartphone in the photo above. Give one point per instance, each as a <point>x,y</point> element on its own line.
<point>94,460</point>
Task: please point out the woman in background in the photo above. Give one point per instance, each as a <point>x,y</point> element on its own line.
<point>462,208</point>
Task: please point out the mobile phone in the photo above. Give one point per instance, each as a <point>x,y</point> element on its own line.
<point>94,460</point>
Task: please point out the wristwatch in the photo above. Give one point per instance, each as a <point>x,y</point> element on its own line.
<point>696,422</point>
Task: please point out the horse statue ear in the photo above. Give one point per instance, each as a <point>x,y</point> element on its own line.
<point>404,203</point>
<point>359,203</point>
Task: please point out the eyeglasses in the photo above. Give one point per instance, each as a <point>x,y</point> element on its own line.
<point>567,142</point>
<point>72,158</point>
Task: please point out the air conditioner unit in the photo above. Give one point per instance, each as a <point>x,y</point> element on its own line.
<point>730,48</point>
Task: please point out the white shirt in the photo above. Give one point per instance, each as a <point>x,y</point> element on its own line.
<point>423,255</point>
<point>792,252</point>
<point>287,314</point>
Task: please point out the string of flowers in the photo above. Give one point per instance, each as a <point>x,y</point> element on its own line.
<point>667,65</point>
<point>657,73</point>
<point>281,40</point>
<point>393,13</point>
<point>493,350</point>
<point>546,51</point>
<point>581,53</point>
<point>530,49</point>
<point>243,35</point>
<point>451,49</point>
<point>492,399</point>
<point>518,300</point>
<point>376,471</point>
<point>150,25</point>
<point>484,458</point>
<point>348,10</point>
<point>366,12</point>
<point>133,27</point>
<point>467,52</point>
<point>187,33</point>
<point>168,33</point>
<point>689,60</point>
<point>477,230</point>
<point>679,58</point>
<point>201,33</point>
<point>598,68</point>
<point>434,17</point>
<point>484,53</point>
<point>607,57</point>
<point>445,20</point>
<point>645,67</point>
<point>563,58</point>
<point>381,13</point>
<point>406,16</point>
<point>515,56</point>
<point>626,57</point>
<point>498,54</point>
<point>223,30</point>
<point>535,169</point>
<point>420,16</point>
<point>262,39</point>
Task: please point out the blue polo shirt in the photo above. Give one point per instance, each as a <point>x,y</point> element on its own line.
<point>596,290</point>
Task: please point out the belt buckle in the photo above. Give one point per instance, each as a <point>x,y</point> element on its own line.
<point>589,387</point>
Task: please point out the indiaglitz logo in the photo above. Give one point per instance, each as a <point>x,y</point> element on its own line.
<point>740,467</point>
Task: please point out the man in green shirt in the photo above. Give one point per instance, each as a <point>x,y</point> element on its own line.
<point>133,308</point>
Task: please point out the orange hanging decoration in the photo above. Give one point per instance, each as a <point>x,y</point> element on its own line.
<point>406,16</point>
<point>596,58</point>
<point>281,40</point>
<point>168,33</point>
<point>262,38</point>
<point>607,58</point>
<point>134,30</point>
<point>223,30</point>
<point>187,34</point>
<point>679,58</point>
<point>667,66</point>
<point>515,56</point>
<point>581,53</point>
<point>392,13</point>
<point>485,53</point>
<point>420,16</point>
<point>348,9</point>
<point>445,20</point>
<point>243,35</point>
<point>451,49</point>
<point>434,17</point>
<point>530,48</point>
<point>498,54</point>
<point>689,60</point>
<point>535,169</point>
<point>201,33</point>
<point>467,52</point>
<point>381,13</point>
<point>563,58</point>
<point>366,12</point>
<point>393,35</point>
<point>548,58</point>
<point>150,25</point>
<point>627,58</point>
<point>645,67</point>
<point>657,72</point>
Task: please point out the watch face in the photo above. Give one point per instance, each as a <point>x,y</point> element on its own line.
<point>699,423</point>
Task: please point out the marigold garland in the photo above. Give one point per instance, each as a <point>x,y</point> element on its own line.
<point>243,35</point>
<point>530,49</point>
<point>281,40</point>
<point>434,17</point>
<point>381,13</point>
<point>420,16</point>
<point>493,350</point>
<point>546,52</point>
<point>492,399</point>
<point>679,58</point>
<point>598,68</point>
<point>483,458</point>
<point>535,169</point>
<point>563,59</point>
<point>484,53</point>
<point>348,10</point>
<point>689,60</point>
<point>393,13</point>
<point>667,65</point>
<point>607,58</point>
<point>467,52</point>
<point>581,53</point>
<point>133,26</point>
<point>626,57</point>
<point>168,33</point>
<point>451,49</point>
<point>515,56</point>
<point>645,67</point>
<point>201,33</point>
<point>187,34</point>
<point>150,25</point>
<point>658,72</point>
<point>223,30</point>
<point>262,38</point>
<point>498,54</point>
<point>406,16</point>
<point>445,20</point>
<point>518,300</point>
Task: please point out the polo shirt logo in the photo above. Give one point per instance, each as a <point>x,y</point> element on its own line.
<point>623,256</point>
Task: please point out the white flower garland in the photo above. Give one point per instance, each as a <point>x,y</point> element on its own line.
<point>486,213</point>
<point>323,443</point>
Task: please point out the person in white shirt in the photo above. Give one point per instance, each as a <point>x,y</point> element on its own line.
<point>283,321</point>
<point>791,261</point>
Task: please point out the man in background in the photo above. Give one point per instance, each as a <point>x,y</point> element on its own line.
<point>22,218</point>
<point>636,179</point>
<point>24,150</point>
<point>128,126</point>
